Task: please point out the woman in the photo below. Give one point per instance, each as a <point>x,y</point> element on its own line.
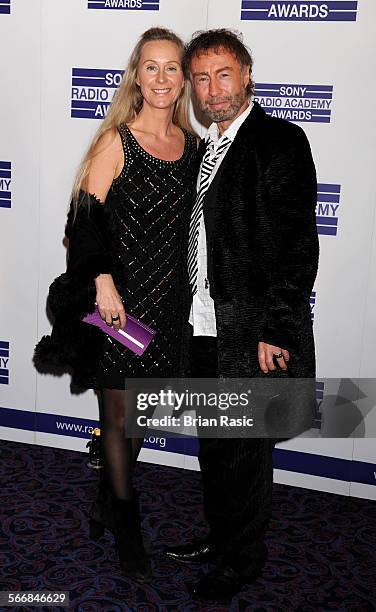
<point>127,230</point>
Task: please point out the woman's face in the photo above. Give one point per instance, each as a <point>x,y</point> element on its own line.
<point>160,74</point>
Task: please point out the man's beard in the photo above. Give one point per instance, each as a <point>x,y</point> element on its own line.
<point>224,114</point>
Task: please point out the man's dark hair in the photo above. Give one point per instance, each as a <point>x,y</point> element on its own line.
<point>215,40</point>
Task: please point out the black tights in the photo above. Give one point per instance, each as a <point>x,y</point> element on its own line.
<point>118,410</point>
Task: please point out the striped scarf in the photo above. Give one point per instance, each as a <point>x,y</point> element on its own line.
<point>207,165</point>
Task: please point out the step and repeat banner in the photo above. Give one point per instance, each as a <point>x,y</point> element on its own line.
<point>315,66</point>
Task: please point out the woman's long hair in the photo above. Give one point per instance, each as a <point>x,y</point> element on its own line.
<point>128,100</point>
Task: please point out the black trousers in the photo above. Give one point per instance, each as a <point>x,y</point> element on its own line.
<point>237,477</point>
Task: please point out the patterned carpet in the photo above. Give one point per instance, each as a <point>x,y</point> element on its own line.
<point>322,547</point>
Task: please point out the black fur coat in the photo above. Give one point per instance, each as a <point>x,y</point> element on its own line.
<point>75,345</point>
<point>263,245</point>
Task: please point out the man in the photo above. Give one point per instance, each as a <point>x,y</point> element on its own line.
<point>252,262</point>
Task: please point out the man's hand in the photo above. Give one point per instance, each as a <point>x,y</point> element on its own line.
<point>266,354</point>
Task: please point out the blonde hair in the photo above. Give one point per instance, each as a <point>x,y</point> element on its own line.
<point>128,100</point>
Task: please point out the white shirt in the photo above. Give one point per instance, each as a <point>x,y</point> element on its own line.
<point>202,315</point>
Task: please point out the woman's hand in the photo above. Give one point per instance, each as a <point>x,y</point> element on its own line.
<point>109,302</point>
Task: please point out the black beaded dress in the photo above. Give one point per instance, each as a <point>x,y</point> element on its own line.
<point>150,204</point>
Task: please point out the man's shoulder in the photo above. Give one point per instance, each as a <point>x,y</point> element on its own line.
<point>267,128</point>
<point>278,125</point>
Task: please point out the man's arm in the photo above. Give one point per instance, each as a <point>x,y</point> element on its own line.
<point>292,187</point>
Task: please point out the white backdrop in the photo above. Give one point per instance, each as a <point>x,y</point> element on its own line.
<point>315,65</point>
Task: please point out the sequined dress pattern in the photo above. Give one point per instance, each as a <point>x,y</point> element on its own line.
<point>150,203</point>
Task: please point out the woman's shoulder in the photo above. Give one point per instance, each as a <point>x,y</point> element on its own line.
<point>106,161</point>
<point>108,143</point>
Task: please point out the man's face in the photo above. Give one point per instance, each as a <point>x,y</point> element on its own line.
<point>220,84</point>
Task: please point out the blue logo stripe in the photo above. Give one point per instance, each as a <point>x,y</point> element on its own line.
<point>4,344</point>
<point>5,204</point>
<point>87,104</point>
<point>3,379</point>
<point>5,165</point>
<point>282,113</point>
<point>316,465</point>
<point>93,82</point>
<point>319,390</point>
<point>327,220</point>
<point>84,114</point>
<point>90,72</point>
<point>326,231</point>
<point>338,5</point>
<point>276,86</point>
<point>343,5</point>
<point>322,112</point>
<point>5,194</point>
<point>340,16</point>
<point>146,6</point>
<point>296,11</point>
<point>275,93</point>
<point>262,15</point>
<point>4,9</point>
<point>97,73</point>
<point>4,372</point>
<point>328,197</point>
<point>4,353</point>
<point>126,3</point>
<point>318,119</point>
<point>363,472</point>
<point>17,419</point>
<point>328,187</point>
<point>5,174</point>
<point>314,112</point>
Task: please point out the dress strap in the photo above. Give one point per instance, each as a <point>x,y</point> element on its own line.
<point>122,129</point>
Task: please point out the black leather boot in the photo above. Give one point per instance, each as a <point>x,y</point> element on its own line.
<point>122,518</point>
<point>101,513</point>
<point>133,558</point>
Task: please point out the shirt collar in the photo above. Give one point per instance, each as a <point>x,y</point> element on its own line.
<point>213,132</point>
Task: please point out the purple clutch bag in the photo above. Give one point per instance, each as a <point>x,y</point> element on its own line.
<point>137,336</point>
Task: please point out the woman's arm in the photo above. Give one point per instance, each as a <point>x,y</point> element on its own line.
<point>106,164</point>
